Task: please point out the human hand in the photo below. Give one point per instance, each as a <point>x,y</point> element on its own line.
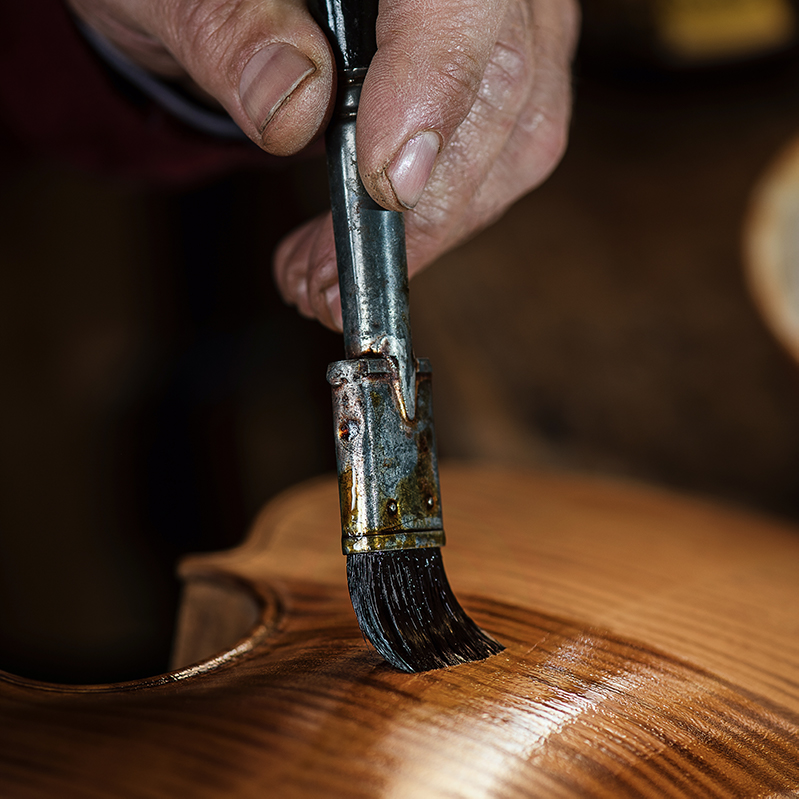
<point>265,61</point>
<point>464,109</point>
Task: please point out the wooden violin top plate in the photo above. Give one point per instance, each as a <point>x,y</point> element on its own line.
<point>651,650</point>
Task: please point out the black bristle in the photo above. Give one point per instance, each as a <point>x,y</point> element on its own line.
<point>407,610</point>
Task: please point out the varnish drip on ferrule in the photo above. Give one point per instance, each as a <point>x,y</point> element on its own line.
<point>387,467</point>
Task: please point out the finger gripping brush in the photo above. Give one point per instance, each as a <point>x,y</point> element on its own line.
<point>391,521</point>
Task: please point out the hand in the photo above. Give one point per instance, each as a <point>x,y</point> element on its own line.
<point>464,109</point>
<point>265,61</point>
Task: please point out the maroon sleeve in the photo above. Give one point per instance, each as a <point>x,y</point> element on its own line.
<point>58,102</point>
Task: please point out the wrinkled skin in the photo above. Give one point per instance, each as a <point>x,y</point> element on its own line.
<point>490,77</point>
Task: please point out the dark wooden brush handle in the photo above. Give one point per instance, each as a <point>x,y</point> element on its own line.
<point>370,240</point>
<point>350,29</point>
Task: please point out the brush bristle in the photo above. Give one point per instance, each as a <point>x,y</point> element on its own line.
<point>407,610</point>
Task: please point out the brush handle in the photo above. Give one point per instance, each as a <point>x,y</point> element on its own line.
<point>370,240</point>
<point>385,441</point>
<point>350,28</point>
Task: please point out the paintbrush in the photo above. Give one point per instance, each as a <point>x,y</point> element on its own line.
<point>392,528</point>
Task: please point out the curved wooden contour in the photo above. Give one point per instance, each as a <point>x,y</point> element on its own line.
<point>771,250</point>
<point>652,650</point>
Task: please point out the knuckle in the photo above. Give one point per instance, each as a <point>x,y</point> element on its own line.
<point>458,47</point>
<point>205,30</point>
<point>463,69</point>
<point>546,136</point>
<point>511,60</point>
<point>507,79</point>
<point>551,146</point>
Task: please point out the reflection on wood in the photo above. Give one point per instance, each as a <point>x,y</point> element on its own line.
<point>652,650</point>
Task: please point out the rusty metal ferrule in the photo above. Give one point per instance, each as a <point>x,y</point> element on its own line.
<point>387,467</point>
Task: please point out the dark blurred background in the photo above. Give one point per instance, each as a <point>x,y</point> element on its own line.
<point>156,391</point>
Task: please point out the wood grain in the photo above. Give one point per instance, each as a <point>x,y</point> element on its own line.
<point>652,650</point>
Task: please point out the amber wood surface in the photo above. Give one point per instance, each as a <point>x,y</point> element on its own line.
<point>652,650</point>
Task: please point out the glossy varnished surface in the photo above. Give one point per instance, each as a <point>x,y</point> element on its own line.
<point>651,650</point>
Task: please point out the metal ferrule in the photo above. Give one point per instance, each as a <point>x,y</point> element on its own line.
<point>387,468</point>
<point>385,447</point>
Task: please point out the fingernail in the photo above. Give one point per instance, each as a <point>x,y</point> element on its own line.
<point>411,167</point>
<point>270,77</point>
<point>333,300</point>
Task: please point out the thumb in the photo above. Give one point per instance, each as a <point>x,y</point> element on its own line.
<point>421,85</point>
<point>265,61</point>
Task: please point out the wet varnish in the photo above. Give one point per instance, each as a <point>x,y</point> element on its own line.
<point>652,650</point>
